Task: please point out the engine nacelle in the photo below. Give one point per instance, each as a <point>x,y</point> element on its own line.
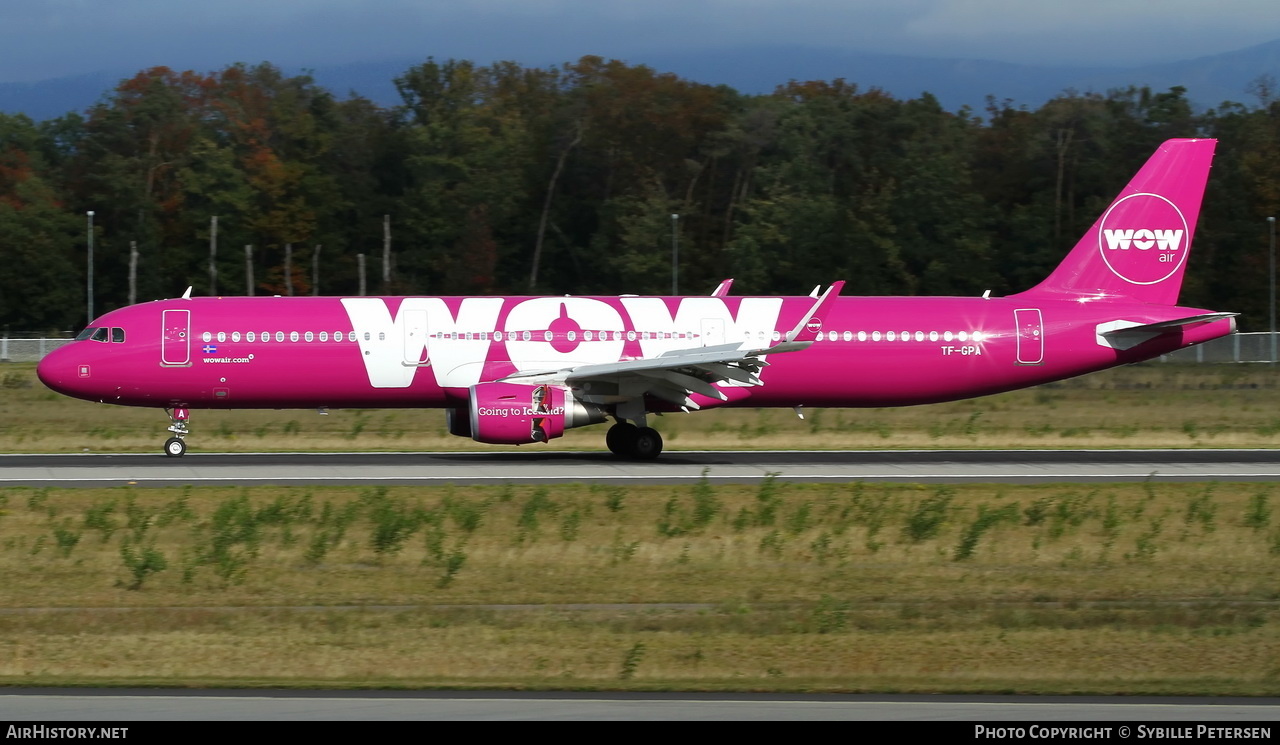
<point>514,414</point>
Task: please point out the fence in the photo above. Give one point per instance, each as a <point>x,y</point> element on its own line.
<point>28,350</point>
<point>1255,347</point>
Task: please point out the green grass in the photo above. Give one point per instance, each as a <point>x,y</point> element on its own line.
<point>1131,589</point>
<point>1127,588</point>
<point>1152,405</point>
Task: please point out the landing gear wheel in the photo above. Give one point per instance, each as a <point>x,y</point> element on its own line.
<point>647,444</point>
<point>174,447</point>
<point>620,437</point>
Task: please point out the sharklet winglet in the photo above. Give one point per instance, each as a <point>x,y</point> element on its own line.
<point>818,313</point>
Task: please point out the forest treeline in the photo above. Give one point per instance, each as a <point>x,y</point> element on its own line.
<point>509,179</point>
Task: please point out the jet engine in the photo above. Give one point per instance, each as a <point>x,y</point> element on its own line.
<point>515,414</point>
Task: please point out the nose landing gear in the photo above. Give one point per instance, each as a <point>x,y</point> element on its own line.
<point>176,447</point>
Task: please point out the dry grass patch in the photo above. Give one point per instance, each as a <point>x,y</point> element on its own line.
<point>725,649</point>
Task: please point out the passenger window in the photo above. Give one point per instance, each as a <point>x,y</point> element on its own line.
<point>117,335</point>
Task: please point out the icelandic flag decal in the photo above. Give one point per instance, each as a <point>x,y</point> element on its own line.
<point>209,349</point>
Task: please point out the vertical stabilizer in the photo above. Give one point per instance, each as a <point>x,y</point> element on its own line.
<point>1138,249</point>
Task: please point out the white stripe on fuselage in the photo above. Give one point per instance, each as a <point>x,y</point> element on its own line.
<point>382,339</point>
<point>458,346</point>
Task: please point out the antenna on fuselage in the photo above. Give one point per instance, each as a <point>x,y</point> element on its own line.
<point>187,295</point>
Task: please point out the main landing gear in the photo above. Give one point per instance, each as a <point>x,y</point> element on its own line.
<point>176,447</point>
<point>629,441</point>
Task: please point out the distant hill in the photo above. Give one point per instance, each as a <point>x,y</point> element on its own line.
<point>959,82</point>
<point>955,82</point>
<point>1209,80</point>
<point>47,99</point>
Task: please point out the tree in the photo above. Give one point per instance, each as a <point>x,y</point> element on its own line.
<point>465,153</point>
<point>41,286</point>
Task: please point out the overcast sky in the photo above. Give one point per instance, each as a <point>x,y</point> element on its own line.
<point>41,39</point>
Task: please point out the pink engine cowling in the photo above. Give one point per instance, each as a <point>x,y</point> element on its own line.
<point>514,414</point>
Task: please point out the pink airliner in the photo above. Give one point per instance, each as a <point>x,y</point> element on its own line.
<point>515,370</point>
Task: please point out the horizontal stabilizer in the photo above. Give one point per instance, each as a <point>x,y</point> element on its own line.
<point>1129,334</point>
<point>1188,321</point>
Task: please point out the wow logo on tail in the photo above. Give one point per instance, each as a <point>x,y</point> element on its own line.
<point>1143,238</point>
<point>1138,248</point>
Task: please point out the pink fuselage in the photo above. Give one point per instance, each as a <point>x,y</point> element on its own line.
<point>426,352</point>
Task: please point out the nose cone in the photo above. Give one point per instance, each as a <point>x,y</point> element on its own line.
<point>63,371</point>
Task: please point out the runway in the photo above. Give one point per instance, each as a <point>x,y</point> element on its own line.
<point>947,714</point>
<point>533,466</point>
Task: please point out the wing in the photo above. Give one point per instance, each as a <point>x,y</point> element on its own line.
<point>676,376</point>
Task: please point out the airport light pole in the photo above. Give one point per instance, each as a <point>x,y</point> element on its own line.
<point>675,255</point>
<point>1271,222</point>
<point>89,277</point>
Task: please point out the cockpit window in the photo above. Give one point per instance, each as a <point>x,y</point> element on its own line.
<point>115,334</point>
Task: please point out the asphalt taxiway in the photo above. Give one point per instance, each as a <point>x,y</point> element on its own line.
<point>534,466</point>
<point>56,708</point>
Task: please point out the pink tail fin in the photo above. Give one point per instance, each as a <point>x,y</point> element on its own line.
<point>1138,248</point>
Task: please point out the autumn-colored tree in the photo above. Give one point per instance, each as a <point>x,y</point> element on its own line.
<point>280,131</point>
<point>127,168</point>
<point>506,178</point>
